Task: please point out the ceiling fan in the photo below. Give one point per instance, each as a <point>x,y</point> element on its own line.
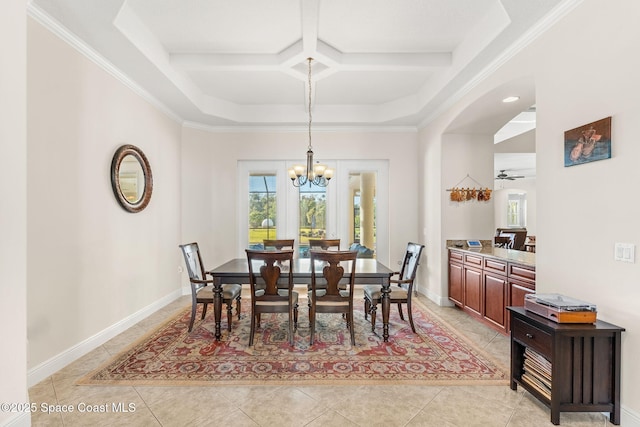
<point>503,175</point>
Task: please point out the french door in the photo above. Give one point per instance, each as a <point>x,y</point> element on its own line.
<point>352,208</point>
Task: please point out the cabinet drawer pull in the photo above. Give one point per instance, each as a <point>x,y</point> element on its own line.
<point>530,336</point>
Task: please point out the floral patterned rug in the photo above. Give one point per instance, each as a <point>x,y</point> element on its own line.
<point>171,356</point>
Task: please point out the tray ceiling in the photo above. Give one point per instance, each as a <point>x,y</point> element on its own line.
<point>243,63</point>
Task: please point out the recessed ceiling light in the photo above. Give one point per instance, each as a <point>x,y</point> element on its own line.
<point>511,99</point>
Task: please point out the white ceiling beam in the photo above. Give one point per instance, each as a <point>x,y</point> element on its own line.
<point>292,56</point>
<point>310,18</point>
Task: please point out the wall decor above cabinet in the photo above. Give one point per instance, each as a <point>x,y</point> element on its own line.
<point>463,194</point>
<point>131,178</point>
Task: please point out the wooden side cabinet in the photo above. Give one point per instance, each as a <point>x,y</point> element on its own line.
<point>570,367</point>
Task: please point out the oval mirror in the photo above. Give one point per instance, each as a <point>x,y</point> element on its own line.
<point>131,178</point>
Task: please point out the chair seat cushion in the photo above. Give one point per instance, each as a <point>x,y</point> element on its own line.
<point>230,291</point>
<point>373,293</point>
<point>323,292</point>
<point>282,293</point>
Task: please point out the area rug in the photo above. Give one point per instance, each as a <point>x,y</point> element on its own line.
<point>171,356</point>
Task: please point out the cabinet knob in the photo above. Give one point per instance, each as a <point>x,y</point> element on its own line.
<point>530,336</point>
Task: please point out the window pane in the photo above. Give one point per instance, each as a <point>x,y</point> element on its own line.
<point>313,209</point>
<point>363,198</point>
<point>516,211</point>
<point>356,217</point>
<point>262,209</point>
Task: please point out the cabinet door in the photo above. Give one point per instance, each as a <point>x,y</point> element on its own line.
<point>473,290</point>
<point>518,291</point>
<point>456,284</point>
<point>495,298</point>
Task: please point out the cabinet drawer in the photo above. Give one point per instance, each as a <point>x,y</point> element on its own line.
<point>473,260</point>
<point>455,256</point>
<point>522,272</point>
<point>495,265</point>
<point>529,335</point>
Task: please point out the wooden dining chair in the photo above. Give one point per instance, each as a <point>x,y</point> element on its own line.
<point>266,270</point>
<point>332,291</point>
<point>324,244</point>
<point>401,293</point>
<point>201,292</point>
<point>278,244</point>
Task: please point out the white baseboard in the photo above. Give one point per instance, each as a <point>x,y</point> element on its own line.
<point>438,299</point>
<point>629,418</point>
<point>53,365</point>
<point>19,420</point>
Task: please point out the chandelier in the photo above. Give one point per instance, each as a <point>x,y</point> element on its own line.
<point>313,174</point>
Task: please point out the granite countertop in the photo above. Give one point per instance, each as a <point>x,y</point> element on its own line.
<point>510,255</point>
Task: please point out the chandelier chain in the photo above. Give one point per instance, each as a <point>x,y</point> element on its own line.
<point>310,116</point>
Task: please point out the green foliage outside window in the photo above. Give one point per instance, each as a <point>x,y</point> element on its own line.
<point>262,208</point>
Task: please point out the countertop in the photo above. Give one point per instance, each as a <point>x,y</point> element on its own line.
<point>510,255</point>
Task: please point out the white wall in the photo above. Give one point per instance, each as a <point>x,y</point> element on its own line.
<point>584,210</point>
<point>442,219</point>
<point>462,155</point>
<point>91,264</point>
<point>13,210</point>
<point>581,75</point>
<point>209,197</point>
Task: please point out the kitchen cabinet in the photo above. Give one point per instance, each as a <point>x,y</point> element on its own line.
<point>495,300</point>
<point>473,290</point>
<point>456,281</point>
<point>483,283</point>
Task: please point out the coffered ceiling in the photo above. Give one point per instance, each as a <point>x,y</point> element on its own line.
<point>244,62</point>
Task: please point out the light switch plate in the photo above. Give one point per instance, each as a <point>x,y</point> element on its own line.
<point>625,252</point>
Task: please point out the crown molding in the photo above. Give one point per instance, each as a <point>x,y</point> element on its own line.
<point>299,129</point>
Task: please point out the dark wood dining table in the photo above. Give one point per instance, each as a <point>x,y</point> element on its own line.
<point>369,271</point>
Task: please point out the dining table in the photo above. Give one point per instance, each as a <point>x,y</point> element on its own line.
<point>369,271</point>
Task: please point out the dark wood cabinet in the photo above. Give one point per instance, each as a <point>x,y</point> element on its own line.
<point>518,290</point>
<point>495,300</point>
<point>582,362</point>
<point>495,292</point>
<point>456,282</point>
<point>483,285</point>
<point>473,290</point>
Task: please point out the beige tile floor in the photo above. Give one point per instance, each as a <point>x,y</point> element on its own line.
<point>393,405</point>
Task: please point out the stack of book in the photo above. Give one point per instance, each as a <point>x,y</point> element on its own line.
<point>537,372</point>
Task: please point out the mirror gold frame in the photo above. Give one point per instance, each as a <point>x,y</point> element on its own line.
<point>126,183</point>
